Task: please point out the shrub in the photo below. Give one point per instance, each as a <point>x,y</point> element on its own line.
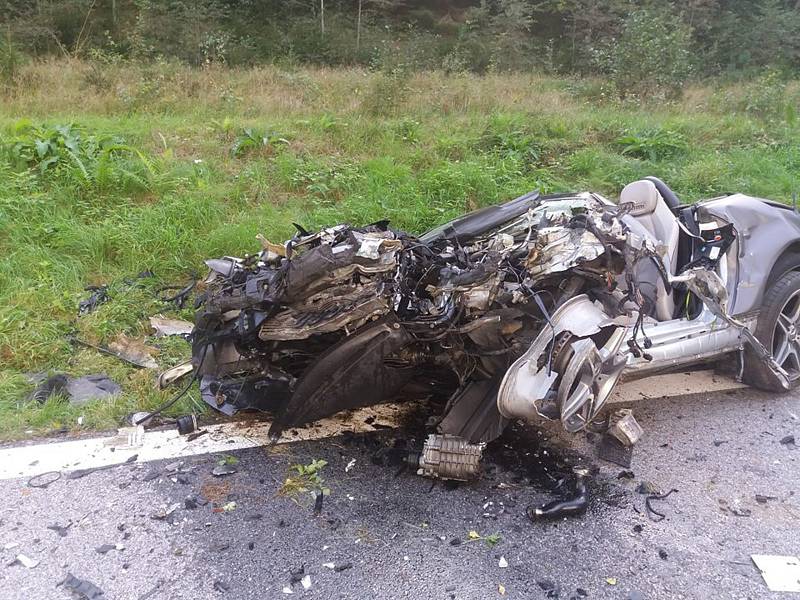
<point>653,144</point>
<point>67,152</point>
<point>652,57</point>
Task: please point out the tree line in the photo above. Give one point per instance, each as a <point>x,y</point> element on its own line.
<point>634,42</point>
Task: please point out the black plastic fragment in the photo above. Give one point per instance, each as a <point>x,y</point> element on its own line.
<point>80,588</point>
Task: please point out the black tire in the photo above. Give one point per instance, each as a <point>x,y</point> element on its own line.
<point>774,330</point>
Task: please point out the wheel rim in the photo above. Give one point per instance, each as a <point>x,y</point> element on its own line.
<point>786,337</point>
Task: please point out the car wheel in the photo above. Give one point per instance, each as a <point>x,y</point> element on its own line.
<point>778,328</point>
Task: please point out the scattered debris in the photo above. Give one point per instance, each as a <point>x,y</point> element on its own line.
<point>342,567</point>
<point>647,487</point>
<point>42,480</point>
<point>99,295</point>
<point>788,440</point>
<point>222,470</point>
<point>318,503</point>
<point>501,589</point>
<point>186,424</point>
<point>82,588</point>
<point>167,327</point>
<point>612,450</point>
<point>611,580</point>
<point>350,465</point>
<point>61,530</point>
<point>229,506</point>
<point>287,590</point>
<point>170,376</point>
<point>624,427</point>
<point>780,573</point>
<point>502,563</point>
<point>179,298</point>
<point>28,563</point>
<point>306,582</point>
<point>662,554</point>
<point>164,513</point>
<point>762,499</point>
<point>134,351</point>
<point>79,390</point>
<point>564,508</point>
<point>652,513</point>
<point>734,508</point>
<point>106,548</point>
<point>221,586</point>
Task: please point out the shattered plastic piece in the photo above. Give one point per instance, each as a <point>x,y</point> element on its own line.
<point>79,390</point>
<point>343,567</point>
<point>330,566</point>
<point>501,589</point>
<point>134,351</point>
<point>787,440</point>
<point>91,387</point>
<point>502,563</point>
<point>350,465</point>
<point>82,588</point>
<point>624,427</point>
<point>780,573</point>
<point>98,296</point>
<point>611,580</point>
<point>306,582</point>
<point>287,590</point>
<point>229,506</point>
<point>170,376</point>
<point>222,470</point>
<point>164,513</point>
<point>166,327</point>
<point>26,562</point>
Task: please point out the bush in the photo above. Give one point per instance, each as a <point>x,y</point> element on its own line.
<point>652,57</point>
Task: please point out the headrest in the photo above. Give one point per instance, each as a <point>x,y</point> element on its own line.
<point>643,195</point>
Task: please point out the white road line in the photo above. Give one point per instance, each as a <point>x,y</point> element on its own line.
<point>89,453</point>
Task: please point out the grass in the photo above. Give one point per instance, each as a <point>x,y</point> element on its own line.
<point>162,166</point>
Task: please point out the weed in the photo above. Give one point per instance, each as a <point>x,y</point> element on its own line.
<point>305,480</point>
<point>250,140</point>
<point>69,153</point>
<point>490,540</point>
<point>654,144</point>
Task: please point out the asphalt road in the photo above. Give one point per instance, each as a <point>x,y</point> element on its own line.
<point>396,535</point>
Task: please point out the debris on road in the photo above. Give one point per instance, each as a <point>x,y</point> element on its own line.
<point>780,573</point>
<point>42,480</point>
<point>652,513</point>
<point>165,512</point>
<point>168,327</point>
<point>81,588</point>
<point>61,530</point>
<point>564,508</point>
<point>28,563</point>
<point>788,440</point>
<point>306,582</point>
<point>106,548</point>
<point>502,563</point>
<point>624,427</point>
<point>221,586</point>
<point>222,470</point>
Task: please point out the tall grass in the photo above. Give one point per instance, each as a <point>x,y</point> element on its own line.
<point>119,169</point>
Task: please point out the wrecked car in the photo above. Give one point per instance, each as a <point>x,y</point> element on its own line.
<point>533,309</point>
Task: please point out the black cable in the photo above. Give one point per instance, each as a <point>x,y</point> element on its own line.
<point>180,395</point>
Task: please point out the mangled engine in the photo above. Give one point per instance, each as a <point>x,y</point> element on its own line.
<point>474,310</point>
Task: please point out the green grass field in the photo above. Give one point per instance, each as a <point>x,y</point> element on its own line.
<point>163,166</point>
